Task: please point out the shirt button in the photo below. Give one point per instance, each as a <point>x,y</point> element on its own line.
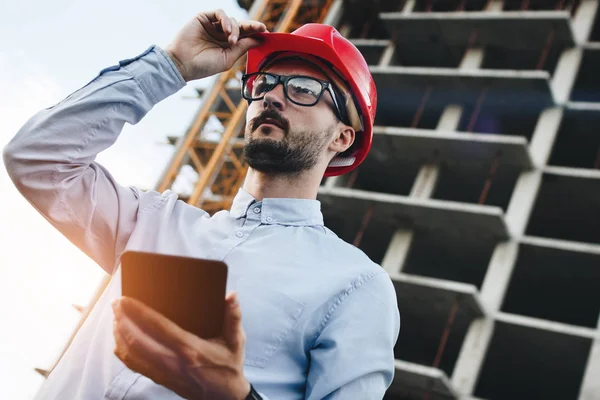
<point>269,219</point>
<point>239,234</point>
<point>256,210</point>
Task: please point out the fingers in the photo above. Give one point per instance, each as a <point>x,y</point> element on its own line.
<point>130,337</point>
<point>156,324</point>
<point>235,32</point>
<point>219,16</point>
<point>138,350</point>
<point>233,29</point>
<point>233,331</point>
<point>250,27</point>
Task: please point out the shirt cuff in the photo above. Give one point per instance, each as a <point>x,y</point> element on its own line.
<point>154,71</point>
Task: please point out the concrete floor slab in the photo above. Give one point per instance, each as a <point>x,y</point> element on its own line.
<point>414,381</point>
<point>436,294</point>
<point>393,143</point>
<point>514,30</point>
<point>535,360</point>
<point>430,309</point>
<point>371,49</point>
<point>511,94</point>
<point>403,212</point>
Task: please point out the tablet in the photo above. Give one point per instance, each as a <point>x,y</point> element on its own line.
<point>188,291</point>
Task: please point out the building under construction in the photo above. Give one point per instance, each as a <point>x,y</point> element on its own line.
<point>481,194</point>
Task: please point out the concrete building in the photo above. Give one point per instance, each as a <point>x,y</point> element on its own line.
<point>481,196</point>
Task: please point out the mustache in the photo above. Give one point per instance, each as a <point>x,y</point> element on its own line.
<point>274,116</point>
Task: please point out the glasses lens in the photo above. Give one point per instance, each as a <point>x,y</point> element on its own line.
<point>257,85</point>
<point>304,90</point>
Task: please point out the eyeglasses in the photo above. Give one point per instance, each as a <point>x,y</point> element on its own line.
<point>299,89</point>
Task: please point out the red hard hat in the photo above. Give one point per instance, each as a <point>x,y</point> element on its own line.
<point>325,42</point>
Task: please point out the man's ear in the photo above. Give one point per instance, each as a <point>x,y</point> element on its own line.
<point>343,139</point>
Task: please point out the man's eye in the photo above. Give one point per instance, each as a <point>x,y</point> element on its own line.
<point>303,90</point>
<point>262,87</point>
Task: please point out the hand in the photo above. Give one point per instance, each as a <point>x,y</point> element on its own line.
<point>211,43</point>
<point>194,368</point>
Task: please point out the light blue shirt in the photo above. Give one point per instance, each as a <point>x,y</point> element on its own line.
<point>321,319</point>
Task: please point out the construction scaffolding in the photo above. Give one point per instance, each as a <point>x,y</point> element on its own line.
<point>480,196</point>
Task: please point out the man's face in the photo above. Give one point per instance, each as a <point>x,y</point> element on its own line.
<point>282,137</point>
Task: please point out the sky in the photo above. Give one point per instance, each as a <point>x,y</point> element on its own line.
<point>48,50</point>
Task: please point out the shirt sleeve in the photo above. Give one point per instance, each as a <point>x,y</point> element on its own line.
<point>353,356</point>
<point>51,159</point>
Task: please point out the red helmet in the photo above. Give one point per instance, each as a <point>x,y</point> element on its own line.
<point>326,43</point>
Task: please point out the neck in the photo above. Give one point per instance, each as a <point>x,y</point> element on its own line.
<point>301,186</point>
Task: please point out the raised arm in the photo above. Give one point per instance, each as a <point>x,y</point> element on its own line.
<point>51,159</point>
<point>353,356</point>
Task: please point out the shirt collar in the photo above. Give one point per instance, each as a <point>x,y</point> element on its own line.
<point>282,211</point>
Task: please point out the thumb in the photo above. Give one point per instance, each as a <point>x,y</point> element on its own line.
<point>232,330</point>
<point>242,46</point>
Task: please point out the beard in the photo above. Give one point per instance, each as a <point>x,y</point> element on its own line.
<point>296,152</point>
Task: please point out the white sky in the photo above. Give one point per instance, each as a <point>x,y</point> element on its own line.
<point>48,50</point>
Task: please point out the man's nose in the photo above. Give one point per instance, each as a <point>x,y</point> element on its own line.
<point>275,98</point>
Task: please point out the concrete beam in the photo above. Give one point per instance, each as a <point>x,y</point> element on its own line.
<point>544,325</point>
<point>560,244</point>
<point>526,30</point>
<point>583,173</point>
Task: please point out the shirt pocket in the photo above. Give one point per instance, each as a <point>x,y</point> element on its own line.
<point>268,317</point>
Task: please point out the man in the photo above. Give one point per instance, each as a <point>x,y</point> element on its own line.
<point>307,315</point>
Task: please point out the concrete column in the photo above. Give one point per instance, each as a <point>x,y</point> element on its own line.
<point>472,58</point>
<point>590,387</point>
<point>505,254</point>
<point>423,188</point>
<point>565,74</point>
<point>583,21</point>
<point>409,6</point>
<point>427,177</point>
<point>495,5</point>
<point>387,55</point>
<point>471,357</point>
<point>397,251</point>
<point>334,14</point>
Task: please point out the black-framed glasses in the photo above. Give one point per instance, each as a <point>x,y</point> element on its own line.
<point>299,89</point>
